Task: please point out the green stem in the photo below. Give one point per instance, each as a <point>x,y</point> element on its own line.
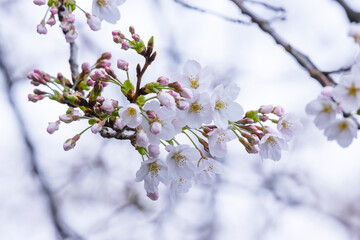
<point>193,143</point>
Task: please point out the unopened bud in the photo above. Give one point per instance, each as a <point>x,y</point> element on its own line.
<point>86,67</point>
<point>151,114</point>
<point>119,124</point>
<point>123,65</point>
<point>153,196</point>
<point>278,111</point>
<point>53,127</point>
<point>105,55</point>
<point>163,80</point>
<point>265,109</point>
<point>155,128</point>
<point>142,139</point>
<point>154,150</point>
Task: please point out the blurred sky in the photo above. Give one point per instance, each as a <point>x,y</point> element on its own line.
<point>314,182</point>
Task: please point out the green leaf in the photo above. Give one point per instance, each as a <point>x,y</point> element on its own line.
<point>141,100</point>
<point>141,150</point>
<point>127,87</point>
<point>52,2</point>
<point>92,121</point>
<point>253,115</point>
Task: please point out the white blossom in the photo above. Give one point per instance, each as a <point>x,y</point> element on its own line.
<point>207,169</point>
<point>199,111</point>
<point>225,109</point>
<point>107,10</point>
<point>130,115</point>
<point>347,93</point>
<point>194,76</point>
<point>152,171</point>
<point>181,161</point>
<point>270,147</point>
<point>166,100</point>
<point>342,130</point>
<point>324,109</point>
<point>142,139</point>
<point>289,125</point>
<point>218,139</point>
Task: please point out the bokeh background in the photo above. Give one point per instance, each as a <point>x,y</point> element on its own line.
<point>312,193</point>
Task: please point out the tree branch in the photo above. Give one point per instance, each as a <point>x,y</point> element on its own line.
<point>352,15</point>
<point>73,61</point>
<point>62,229</point>
<point>301,58</point>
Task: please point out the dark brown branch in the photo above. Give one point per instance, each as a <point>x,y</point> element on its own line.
<point>110,133</point>
<point>301,58</point>
<point>62,229</point>
<point>352,15</point>
<point>340,70</point>
<point>186,5</point>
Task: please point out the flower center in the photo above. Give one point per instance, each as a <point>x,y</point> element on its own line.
<point>353,90</point>
<point>327,108</point>
<point>196,107</point>
<point>220,104</point>
<point>179,159</point>
<point>343,126</point>
<point>154,170</point>
<point>221,138</point>
<point>103,3</point>
<point>271,141</point>
<point>131,111</point>
<point>194,80</point>
<point>286,125</point>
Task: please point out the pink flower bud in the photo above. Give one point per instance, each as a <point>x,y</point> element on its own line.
<point>41,29</point>
<point>327,91</point>
<point>142,139</point>
<point>90,82</point>
<point>70,18</point>
<point>71,35</point>
<point>117,39</point>
<point>265,109</point>
<point>169,147</point>
<point>154,150</point>
<point>182,105</point>
<point>66,118</point>
<point>136,37</point>
<point>54,10</point>
<point>97,127</point>
<point>103,64</point>
<point>252,149</point>
<point>151,114</point>
<point>153,196</point>
<point>122,65</point>
<point>177,86</point>
<point>51,21</point>
<point>39,2</point>
<point>174,94</point>
<point>106,55</point>
<point>53,127</point>
<point>115,33</point>
<point>107,106</point>
<point>278,111</point>
<point>86,68</point>
<point>163,80</point>
<point>100,99</point>
<point>166,100</point>
<point>155,128</point>
<point>93,21</point>
<point>71,142</point>
<point>132,30</point>
<point>125,45</point>
<point>119,124</point>
<point>254,139</point>
<point>186,93</point>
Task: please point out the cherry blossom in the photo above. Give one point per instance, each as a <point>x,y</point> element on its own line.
<point>342,130</point>
<point>152,171</point>
<point>218,139</point>
<point>207,169</point>
<point>107,10</point>
<point>199,111</point>
<point>130,115</point>
<point>181,161</point>
<point>194,76</point>
<point>347,93</point>
<point>324,109</point>
<point>225,109</point>
<point>270,147</point>
<point>289,125</point>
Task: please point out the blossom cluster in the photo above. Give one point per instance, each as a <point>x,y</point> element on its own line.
<point>63,10</point>
<point>158,113</point>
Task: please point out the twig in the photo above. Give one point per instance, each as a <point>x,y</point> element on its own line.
<point>268,6</point>
<point>234,20</point>
<point>73,61</point>
<point>352,15</point>
<point>301,58</point>
<point>340,70</point>
<point>62,229</point>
